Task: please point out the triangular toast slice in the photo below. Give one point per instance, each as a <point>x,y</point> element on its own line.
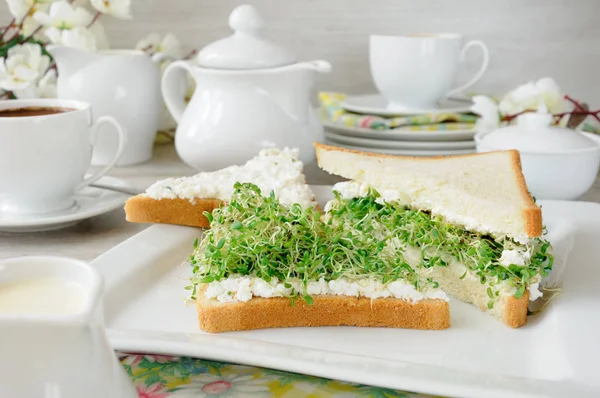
<point>184,200</point>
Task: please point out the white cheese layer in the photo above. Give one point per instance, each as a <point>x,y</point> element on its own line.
<point>273,169</point>
<point>354,189</point>
<point>243,288</point>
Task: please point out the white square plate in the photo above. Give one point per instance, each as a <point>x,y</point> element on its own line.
<point>555,355</point>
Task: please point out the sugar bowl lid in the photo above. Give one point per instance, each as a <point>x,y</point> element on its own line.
<point>533,133</point>
<point>246,48</point>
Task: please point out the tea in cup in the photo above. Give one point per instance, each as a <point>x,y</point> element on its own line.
<point>416,71</point>
<point>45,150</point>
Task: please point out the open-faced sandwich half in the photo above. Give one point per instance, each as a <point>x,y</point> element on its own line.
<point>395,239</point>
<point>184,200</point>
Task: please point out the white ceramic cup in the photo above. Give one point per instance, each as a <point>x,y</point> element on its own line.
<point>417,71</point>
<point>57,344</point>
<point>44,159</point>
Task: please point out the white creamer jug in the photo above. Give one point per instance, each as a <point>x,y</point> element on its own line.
<point>124,84</point>
<point>250,94</point>
<point>52,337</point>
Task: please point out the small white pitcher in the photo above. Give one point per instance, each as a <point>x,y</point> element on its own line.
<point>61,352</point>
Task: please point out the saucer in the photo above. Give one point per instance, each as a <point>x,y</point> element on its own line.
<point>89,202</point>
<point>375,104</point>
<point>399,134</point>
<point>391,144</point>
<point>407,152</point>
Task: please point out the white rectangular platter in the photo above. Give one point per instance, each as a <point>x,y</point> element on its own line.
<point>556,354</point>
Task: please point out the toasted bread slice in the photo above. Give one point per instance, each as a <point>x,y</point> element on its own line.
<point>486,192</point>
<point>184,200</point>
<point>276,312</point>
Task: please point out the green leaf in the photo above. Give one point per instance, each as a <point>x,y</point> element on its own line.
<point>520,291</point>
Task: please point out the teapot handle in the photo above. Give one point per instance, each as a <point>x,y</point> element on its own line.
<point>174,84</point>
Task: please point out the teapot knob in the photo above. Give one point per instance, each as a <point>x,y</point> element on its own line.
<point>245,19</point>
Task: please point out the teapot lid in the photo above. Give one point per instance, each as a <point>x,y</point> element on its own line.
<point>245,49</point>
<point>534,133</point>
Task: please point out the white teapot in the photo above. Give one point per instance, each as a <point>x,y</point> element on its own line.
<point>250,94</point>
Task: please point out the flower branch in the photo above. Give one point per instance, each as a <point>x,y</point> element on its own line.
<point>542,96</point>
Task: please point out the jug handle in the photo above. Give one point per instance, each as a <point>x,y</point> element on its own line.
<point>174,83</point>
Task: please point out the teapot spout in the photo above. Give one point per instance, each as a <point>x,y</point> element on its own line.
<point>69,60</point>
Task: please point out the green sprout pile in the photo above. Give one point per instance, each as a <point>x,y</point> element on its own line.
<point>258,236</point>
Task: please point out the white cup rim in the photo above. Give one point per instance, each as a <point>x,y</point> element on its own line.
<point>42,103</point>
<point>420,36</point>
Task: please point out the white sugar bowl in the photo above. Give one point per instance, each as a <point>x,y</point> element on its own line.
<point>558,163</point>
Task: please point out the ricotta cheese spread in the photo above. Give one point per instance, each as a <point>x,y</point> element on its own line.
<point>514,257</point>
<point>243,288</point>
<point>273,169</point>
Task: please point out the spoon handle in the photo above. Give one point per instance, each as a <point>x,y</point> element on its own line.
<point>125,190</point>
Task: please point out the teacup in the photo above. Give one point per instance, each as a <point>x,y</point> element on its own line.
<point>45,150</point>
<point>417,71</point>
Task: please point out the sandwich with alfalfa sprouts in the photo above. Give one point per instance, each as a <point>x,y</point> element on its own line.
<point>466,222</point>
<point>393,241</point>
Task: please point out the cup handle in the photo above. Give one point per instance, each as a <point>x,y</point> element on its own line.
<point>479,74</point>
<point>171,87</point>
<point>121,146</point>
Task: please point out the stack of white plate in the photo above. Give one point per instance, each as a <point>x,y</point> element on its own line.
<point>399,141</point>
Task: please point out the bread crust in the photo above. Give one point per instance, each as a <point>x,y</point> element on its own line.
<point>532,213</point>
<point>277,312</point>
<point>515,310</point>
<point>144,209</point>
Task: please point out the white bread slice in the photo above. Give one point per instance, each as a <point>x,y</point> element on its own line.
<point>184,200</point>
<point>484,192</point>
<point>259,313</point>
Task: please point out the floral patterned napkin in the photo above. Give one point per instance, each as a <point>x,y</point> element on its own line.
<point>159,376</point>
<point>333,111</point>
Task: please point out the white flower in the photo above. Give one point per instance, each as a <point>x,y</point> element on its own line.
<point>20,8</point>
<point>63,15</point>
<point>529,96</point>
<point>169,45</point>
<point>117,8</point>
<point>80,38</point>
<point>97,29</point>
<point>232,385</point>
<point>30,26</point>
<point>44,88</point>
<point>486,108</point>
<point>24,65</point>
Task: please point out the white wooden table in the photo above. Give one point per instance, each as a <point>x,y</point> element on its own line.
<point>92,237</point>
